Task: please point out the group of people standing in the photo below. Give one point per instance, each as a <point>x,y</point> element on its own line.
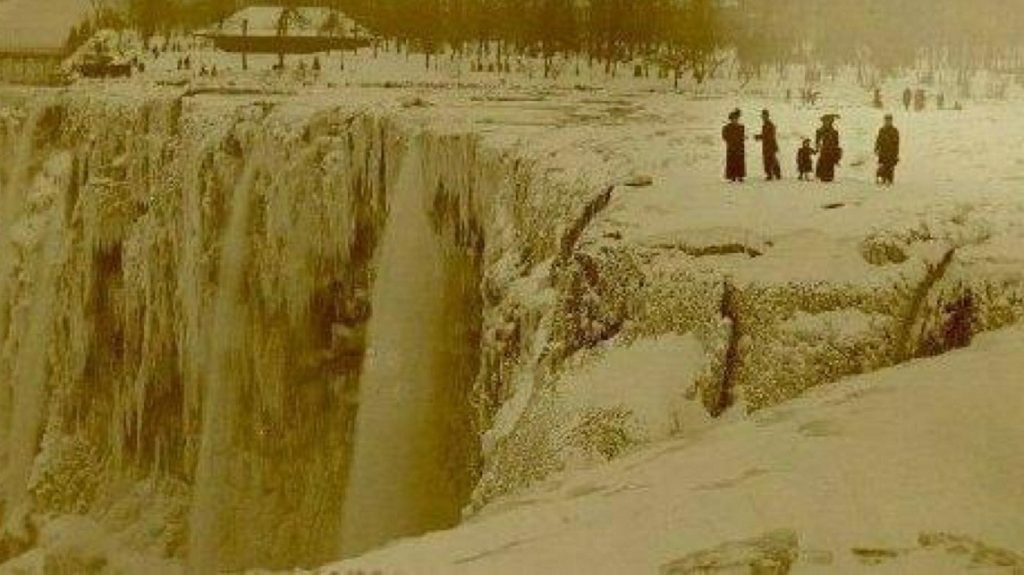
<point>826,147</point>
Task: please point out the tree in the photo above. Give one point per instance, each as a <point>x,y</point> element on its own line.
<point>693,41</point>
<point>288,18</point>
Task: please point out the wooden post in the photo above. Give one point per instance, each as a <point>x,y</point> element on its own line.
<point>245,40</point>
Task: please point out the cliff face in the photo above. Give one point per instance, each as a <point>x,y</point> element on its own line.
<point>148,225</point>
<point>188,288</point>
<point>209,348</point>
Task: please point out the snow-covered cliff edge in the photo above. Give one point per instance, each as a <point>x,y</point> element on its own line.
<point>188,285</point>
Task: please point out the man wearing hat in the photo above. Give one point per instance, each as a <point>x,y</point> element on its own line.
<point>829,151</point>
<point>887,148</point>
<point>735,137</point>
<point>769,147</point>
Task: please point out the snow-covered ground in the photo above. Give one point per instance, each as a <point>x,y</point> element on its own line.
<point>627,292</point>
<point>828,276</point>
<point>916,469</point>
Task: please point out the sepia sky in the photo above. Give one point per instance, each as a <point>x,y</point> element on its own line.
<point>38,24</point>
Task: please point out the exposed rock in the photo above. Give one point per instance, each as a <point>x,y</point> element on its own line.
<point>771,554</point>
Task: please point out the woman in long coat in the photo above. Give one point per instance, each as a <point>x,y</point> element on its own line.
<point>735,137</point>
<point>829,151</point>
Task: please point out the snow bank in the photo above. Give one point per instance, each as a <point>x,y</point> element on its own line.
<point>849,479</point>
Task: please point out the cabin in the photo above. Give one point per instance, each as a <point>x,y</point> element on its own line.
<point>281,30</point>
<point>33,39</point>
<point>31,67</point>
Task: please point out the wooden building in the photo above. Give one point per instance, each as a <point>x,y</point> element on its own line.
<point>33,36</point>
<point>280,30</point>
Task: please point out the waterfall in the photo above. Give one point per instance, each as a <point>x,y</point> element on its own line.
<point>25,331</point>
<point>208,524</point>
<point>220,319</point>
<point>12,200</point>
<point>398,482</point>
<point>29,347</point>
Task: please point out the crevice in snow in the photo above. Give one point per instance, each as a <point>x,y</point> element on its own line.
<point>713,250</point>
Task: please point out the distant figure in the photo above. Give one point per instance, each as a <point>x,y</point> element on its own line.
<point>735,137</point>
<point>908,99</point>
<point>805,160</point>
<point>920,100</point>
<point>188,62</point>
<point>829,152</point>
<point>940,101</point>
<point>877,102</point>
<point>769,147</point>
<point>887,148</point>
<point>316,63</point>
<point>809,96</point>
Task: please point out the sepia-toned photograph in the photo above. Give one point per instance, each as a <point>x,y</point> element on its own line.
<point>512,287</point>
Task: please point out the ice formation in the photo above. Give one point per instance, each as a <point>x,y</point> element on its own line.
<point>261,331</point>
<point>187,294</point>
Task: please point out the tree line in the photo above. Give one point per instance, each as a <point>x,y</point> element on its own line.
<point>681,36</point>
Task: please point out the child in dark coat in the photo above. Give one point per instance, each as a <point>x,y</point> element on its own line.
<point>805,160</point>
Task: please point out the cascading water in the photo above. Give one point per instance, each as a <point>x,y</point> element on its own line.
<point>221,401</point>
<point>24,360</point>
<point>12,200</point>
<point>221,327</point>
<point>399,483</point>
<point>31,365</point>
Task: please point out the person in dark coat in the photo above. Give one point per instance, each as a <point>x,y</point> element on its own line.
<point>829,151</point>
<point>887,148</point>
<point>805,160</point>
<point>769,147</point>
<point>735,137</point>
<point>908,98</point>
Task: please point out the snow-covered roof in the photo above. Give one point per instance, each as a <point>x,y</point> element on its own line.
<point>307,21</point>
<point>39,26</point>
